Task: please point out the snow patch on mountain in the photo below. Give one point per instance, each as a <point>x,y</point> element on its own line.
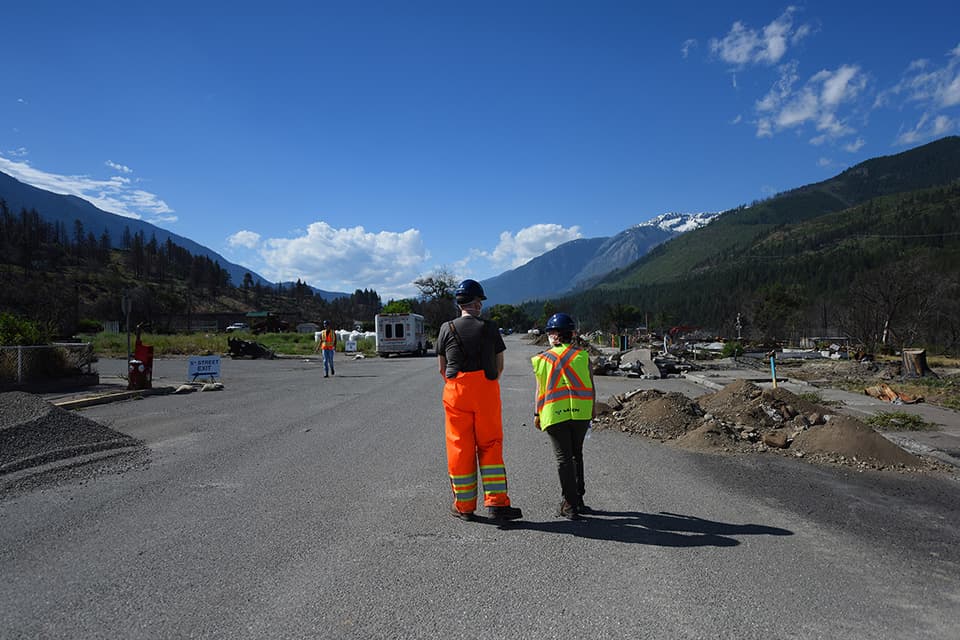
<point>679,222</point>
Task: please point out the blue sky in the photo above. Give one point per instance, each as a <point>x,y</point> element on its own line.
<point>361,145</point>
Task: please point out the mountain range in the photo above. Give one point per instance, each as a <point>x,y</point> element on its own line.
<point>581,263</point>
<point>54,207</point>
<point>872,253</point>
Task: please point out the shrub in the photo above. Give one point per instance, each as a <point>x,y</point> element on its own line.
<point>899,421</point>
<point>86,325</point>
<point>731,349</point>
<point>16,331</point>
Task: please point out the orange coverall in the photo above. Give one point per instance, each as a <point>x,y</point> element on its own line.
<point>474,430</point>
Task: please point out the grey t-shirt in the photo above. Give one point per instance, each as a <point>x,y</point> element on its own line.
<point>477,348</point>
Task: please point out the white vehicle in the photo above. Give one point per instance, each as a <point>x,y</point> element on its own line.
<point>400,333</point>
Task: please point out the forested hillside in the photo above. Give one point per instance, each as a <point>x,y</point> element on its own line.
<point>62,277</point>
<point>884,270</point>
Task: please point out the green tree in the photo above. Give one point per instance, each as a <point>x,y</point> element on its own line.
<point>404,305</point>
<point>509,317</point>
<point>16,331</point>
<point>549,308</point>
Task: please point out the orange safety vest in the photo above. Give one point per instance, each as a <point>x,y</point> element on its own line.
<point>328,339</point>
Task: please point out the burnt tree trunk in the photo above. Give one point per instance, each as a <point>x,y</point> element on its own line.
<point>914,364</point>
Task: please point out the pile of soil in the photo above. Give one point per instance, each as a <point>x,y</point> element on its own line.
<point>656,414</point>
<point>742,417</point>
<point>744,403</point>
<point>34,432</point>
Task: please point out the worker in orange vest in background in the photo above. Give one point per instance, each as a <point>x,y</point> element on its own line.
<point>470,357</point>
<point>328,345</point>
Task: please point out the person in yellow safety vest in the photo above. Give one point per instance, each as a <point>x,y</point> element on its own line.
<point>565,403</point>
<point>328,345</point>
<point>470,357</point>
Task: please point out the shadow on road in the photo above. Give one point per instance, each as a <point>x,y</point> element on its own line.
<point>660,529</point>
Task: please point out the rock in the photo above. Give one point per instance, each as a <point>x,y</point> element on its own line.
<point>602,407</point>
<point>776,439</point>
<point>815,418</point>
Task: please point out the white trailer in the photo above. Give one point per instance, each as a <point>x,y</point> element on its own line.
<point>400,333</point>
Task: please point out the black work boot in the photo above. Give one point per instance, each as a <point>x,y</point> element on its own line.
<point>504,514</point>
<point>568,511</point>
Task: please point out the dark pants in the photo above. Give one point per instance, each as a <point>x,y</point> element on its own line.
<point>567,438</point>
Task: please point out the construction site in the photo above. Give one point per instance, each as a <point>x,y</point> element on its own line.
<point>803,404</point>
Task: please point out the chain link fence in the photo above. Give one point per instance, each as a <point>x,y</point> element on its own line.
<point>24,365</point>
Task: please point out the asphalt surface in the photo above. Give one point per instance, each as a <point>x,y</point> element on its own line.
<point>292,506</point>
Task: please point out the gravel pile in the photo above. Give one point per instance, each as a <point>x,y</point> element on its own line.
<point>34,432</point>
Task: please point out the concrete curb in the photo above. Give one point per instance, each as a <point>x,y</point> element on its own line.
<point>116,396</point>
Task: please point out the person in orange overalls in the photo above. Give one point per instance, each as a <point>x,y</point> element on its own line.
<point>470,357</point>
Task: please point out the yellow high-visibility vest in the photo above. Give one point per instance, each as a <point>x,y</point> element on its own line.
<point>566,391</point>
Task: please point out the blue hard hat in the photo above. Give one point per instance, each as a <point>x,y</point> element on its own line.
<point>561,322</point>
<point>469,290</point>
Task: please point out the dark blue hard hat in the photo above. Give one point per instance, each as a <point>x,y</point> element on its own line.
<point>326,323</point>
<point>469,290</point>
<point>561,322</point>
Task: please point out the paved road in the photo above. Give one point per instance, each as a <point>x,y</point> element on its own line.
<point>289,506</point>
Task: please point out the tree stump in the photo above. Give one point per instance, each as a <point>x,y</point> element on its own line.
<point>914,364</point>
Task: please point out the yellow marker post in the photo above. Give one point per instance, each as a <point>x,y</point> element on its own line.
<point>773,369</point>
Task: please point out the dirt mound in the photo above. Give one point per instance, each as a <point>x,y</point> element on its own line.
<point>656,414</point>
<point>744,403</point>
<point>743,417</point>
<point>850,438</point>
<point>33,432</point>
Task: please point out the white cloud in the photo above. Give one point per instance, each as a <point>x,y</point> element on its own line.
<point>854,146</point>
<point>824,162</point>
<point>842,85</point>
<point>114,194</point>
<point>244,238</point>
<point>348,259</point>
<point>929,126</point>
<point>818,101</point>
<point>514,250</point>
<point>781,89</point>
<point>687,46</point>
<point>942,125</point>
<point>801,108</point>
<point>19,152</point>
<point>743,45</point>
<point>118,167</point>
<point>930,88</point>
